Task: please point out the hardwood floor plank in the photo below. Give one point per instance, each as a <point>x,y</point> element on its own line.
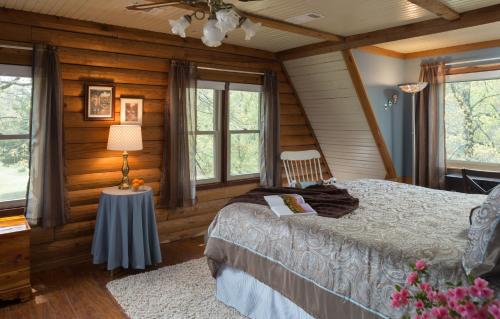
<point>79,291</point>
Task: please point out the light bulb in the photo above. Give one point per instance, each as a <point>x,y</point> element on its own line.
<point>250,28</point>
<point>179,26</point>
<point>227,20</point>
<point>212,36</point>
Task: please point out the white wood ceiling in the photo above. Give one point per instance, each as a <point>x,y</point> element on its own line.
<point>343,17</point>
<point>485,32</point>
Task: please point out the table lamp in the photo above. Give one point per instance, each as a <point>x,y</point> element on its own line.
<point>413,88</point>
<point>125,138</point>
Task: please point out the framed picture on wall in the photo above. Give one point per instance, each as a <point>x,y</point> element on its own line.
<point>99,102</point>
<point>131,111</point>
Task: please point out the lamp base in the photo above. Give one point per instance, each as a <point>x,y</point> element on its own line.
<point>125,184</point>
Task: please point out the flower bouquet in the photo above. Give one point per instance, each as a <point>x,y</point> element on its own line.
<point>475,300</point>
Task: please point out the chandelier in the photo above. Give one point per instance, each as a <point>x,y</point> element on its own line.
<point>222,19</point>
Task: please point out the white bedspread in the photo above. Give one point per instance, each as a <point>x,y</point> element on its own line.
<point>362,255</point>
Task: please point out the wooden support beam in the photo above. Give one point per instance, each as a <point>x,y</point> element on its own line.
<point>438,8</point>
<point>272,23</point>
<point>467,19</point>
<point>368,111</point>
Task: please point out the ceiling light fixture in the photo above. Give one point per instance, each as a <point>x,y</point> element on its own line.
<point>212,35</point>
<point>222,18</point>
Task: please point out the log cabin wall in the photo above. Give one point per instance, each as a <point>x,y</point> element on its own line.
<point>138,63</point>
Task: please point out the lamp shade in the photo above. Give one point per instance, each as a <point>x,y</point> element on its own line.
<point>412,87</point>
<point>125,138</point>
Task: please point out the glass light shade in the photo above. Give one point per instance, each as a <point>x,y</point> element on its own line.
<point>179,26</point>
<point>212,36</point>
<point>125,138</point>
<point>250,28</point>
<point>227,20</point>
<point>412,87</point>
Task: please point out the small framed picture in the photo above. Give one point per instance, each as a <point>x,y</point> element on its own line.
<point>131,111</point>
<point>99,102</point>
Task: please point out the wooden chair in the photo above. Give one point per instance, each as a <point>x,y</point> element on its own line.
<point>471,186</point>
<point>303,166</point>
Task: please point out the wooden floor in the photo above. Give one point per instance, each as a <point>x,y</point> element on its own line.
<point>79,291</point>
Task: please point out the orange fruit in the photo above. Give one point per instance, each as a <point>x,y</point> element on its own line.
<point>141,181</point>
<point>135,180</point>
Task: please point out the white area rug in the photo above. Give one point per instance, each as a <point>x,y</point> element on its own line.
<point>180,291</point>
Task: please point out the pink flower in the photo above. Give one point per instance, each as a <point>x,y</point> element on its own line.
<point>420,265</point>
<point>486,293</point>
<point>425,287</point>
<point>480,283</point>
<point>456,294</point>
<point>424,315</point>
<point>412,278</point>
<point>474,291</point>
<point>439,312</point>
<point>494,310</point>
<point>419,304</point>
<point>460,293</point>
<point>400,298</point>
<point>452,304</point>
<point>469,310</point>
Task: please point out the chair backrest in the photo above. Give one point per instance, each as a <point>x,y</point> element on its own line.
<point>471,186</point>
<point>302,166</point>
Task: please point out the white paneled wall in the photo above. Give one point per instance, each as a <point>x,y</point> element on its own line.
<point>333,108</point>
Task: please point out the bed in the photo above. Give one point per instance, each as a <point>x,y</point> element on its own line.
<point>311,266</point>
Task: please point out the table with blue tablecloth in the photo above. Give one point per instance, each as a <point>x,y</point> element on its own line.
<point>125,233</point>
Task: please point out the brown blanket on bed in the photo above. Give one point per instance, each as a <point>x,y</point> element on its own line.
<point>326,200</point>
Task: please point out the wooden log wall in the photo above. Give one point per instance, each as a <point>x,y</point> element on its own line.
<point>138,63</point>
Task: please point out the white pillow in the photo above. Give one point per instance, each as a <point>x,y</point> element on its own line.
<point>483,250</point>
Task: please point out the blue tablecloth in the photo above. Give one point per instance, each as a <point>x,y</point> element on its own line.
<point>125,232</point>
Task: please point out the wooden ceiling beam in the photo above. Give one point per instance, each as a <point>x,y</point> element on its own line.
<point>271,23</point>
<point>438,8</point>
<point>467,19</point>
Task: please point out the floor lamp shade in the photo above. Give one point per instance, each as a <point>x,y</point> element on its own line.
<point>125,138</point>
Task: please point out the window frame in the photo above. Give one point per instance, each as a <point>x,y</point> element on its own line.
<point>15,71</point>
<point>467,76</point>
<point>222,156</point>
<point>216,133</point>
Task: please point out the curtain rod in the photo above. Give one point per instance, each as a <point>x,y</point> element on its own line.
<point>227,70</point>
<point>473,61</point>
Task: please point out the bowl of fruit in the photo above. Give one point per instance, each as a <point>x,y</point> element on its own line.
<point>137,184</point>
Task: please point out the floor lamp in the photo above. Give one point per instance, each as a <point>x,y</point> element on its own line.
<point>413,89</point>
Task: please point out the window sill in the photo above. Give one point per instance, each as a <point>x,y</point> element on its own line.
<point>227,184</point>
<point>457,166</point>
<point>11,211</point>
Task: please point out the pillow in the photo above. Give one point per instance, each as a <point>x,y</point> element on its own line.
<point>483,249</point>
<point>304,184</point>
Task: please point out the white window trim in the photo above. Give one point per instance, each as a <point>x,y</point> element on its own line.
<point>15,71</point>
<point>244,88</point>
<point>216,132</point>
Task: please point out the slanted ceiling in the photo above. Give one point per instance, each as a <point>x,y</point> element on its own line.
<point>334,109</point>
<point>342,17</point>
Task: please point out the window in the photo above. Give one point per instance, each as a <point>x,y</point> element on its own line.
<point>472,119</point>
<point>227,132</point>
<point>15,94</point>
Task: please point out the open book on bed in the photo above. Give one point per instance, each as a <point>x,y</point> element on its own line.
<point>286,205</point>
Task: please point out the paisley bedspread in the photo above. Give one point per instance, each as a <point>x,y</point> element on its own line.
<point>360,256</point>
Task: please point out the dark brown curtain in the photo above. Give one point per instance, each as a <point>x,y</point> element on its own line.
<point>430,143</point>
<point>47,202</point>
<point>178,180</point>
<point>270,132</point>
